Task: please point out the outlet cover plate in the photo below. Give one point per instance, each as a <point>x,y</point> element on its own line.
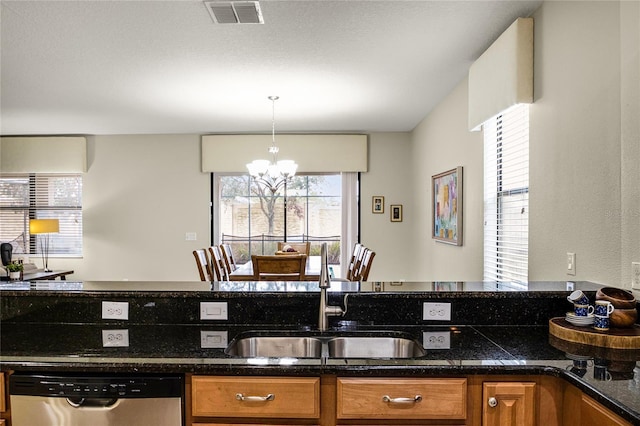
<point>213,311</point>
<point>436,339</point>
<point>115,310</point>
<point>214,339</point>
<point>440,311</point>
<point>115,338</point>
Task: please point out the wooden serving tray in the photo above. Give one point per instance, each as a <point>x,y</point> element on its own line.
<point>615,338</point>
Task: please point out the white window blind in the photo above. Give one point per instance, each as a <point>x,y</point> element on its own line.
<point>506,196</point>
<point>41,196</point>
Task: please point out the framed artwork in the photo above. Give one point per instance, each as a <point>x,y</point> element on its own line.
<point>446,189</point>
<point>396,213</point>
<point>377,204</point>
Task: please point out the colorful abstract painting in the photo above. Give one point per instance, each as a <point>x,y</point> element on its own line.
<point>447,206</point>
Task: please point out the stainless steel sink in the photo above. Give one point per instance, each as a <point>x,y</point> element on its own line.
<point>374,347</point>
<point>387,345</point>
<point>276,347</point>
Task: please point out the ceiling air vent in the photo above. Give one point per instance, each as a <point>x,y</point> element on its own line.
<point>235,12</point>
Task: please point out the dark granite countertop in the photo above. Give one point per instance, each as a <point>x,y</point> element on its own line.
<point>57,326</point>
<point>490,350</point>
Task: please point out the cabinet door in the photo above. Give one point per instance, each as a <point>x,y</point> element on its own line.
<point>508,403</point>
<point>594,414</point>
<point>3,406</point>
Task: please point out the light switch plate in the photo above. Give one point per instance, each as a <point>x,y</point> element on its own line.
<point>115,338</point>
<point>213,311</point>
<point>115,310</point>
<point>214,339</point>
<point>436,311</point>
<point>571,263</point>
<point>635,275</point>
<point>436,339</point>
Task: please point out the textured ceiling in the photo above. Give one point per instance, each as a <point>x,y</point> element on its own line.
<point>114,67</point>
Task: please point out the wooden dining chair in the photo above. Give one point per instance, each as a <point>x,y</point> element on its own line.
<point>355,256</point>
<point>218,266</point>
<point>279,268</point>
<point>301,248</point>
<point>364,267</point>
<point>203,264</point>
<point>229,259</point>
<point>358,259</point>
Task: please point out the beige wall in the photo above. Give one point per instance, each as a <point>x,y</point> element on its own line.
<point>579,159</point>
<point>584,149</point>
<point>143,192</point>
<point>390,176</point>
<point>440,143</point>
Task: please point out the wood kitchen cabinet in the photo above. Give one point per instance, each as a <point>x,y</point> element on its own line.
<point>3,395</point>
<point>3,400</point>
<point>508,403</point>
<point>402,398</point>
<point>229,397</point>
<point>581,410</point>
<point>331,400</point>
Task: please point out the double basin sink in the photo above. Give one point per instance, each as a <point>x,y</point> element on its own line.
<point>385,344</point>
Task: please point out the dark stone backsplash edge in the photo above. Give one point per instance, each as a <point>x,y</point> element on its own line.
<point>287,308</point>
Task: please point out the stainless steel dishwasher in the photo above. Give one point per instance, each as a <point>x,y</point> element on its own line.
<point>96,400</point>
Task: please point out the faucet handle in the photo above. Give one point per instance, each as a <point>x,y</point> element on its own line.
<point>344,312</point>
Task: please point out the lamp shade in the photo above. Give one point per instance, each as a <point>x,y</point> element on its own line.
<point>44,226</point>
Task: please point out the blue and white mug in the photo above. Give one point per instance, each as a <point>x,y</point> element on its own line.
<point>583,310</point>
<point>578,297</point>
<point>603,308</point>
<point>601,323</point>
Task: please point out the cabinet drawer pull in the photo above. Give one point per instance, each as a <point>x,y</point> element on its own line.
<point>387,398</point>
<point>241,397</point>
<point>492,402</point>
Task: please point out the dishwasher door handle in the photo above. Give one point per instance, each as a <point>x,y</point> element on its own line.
<point>79,402</point>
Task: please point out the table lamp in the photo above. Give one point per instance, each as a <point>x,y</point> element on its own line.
<point>45,227</point>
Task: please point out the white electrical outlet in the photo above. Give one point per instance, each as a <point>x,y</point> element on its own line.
<point>436,339</point>
<point>115,310</point>
<point>436,311</point>
<point>571,263</point>
<point>213,339</point>
<point>115,338</point>
<point>213,311</point>
<point>190,236</point>
<point>635,275</point>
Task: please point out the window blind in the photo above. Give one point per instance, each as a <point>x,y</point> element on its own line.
<point>41,196</point>
<point>506,196</point>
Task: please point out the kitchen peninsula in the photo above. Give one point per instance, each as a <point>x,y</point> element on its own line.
<point>497,336</point>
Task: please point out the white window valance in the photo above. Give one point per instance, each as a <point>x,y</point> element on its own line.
<point>503,75</point>
<point>43,154</point>
<point>313,153</point>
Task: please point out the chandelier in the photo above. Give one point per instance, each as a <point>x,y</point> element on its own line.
<point>274,173</point>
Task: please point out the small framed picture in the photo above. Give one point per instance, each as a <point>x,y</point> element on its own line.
<point>396,213</point>
<point>377,204</point>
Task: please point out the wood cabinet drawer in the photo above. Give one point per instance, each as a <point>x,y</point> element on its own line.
<point>221,396</point>
<point>394,398</point>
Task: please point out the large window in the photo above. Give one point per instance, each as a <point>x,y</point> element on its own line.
<point>41,196</point>
<point>253,219</point>
<point>506,197</point>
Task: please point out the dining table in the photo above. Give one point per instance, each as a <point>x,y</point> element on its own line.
<point>244,272</point>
